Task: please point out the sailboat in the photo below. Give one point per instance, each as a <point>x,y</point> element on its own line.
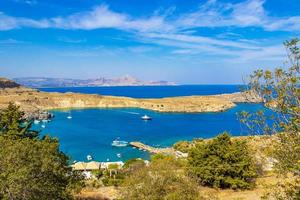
<point>69,116</point>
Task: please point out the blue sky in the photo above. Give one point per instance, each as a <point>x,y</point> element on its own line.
<point>189,42</point>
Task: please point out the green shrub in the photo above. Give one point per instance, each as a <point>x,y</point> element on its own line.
<point>163,179</point>
<point>222,163</point>
<point>183,146</point>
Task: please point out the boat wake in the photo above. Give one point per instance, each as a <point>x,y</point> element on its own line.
<point>133,113</point>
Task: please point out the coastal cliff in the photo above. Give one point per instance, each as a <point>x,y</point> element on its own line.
<point>33,100</point>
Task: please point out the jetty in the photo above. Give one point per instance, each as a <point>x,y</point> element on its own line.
<point>155,150</point>
<point>151,149</point>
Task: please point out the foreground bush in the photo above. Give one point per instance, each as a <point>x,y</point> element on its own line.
<point>32,168</point>
<point>222,163</point>
<point>163,179</point>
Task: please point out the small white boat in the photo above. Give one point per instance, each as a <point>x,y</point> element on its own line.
<point>89,157</point>
<point>146,117</point>
<point>43,126</point>
<point>119,155</point>
<point>36,121</point>
<point>69,117</point>
<point>119,143</point>
<point>45,121</point>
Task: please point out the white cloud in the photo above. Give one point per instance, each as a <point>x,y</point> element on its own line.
<point>177,32</point>
<point>250,13</point>
<point>213,13</point>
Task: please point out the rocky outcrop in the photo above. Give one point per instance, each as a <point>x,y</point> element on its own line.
<point>6,83</point>
<point>242,97</point>
<point>37,115</point>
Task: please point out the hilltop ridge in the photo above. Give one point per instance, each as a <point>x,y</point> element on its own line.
<point>34,100</point>
<point>127,80</point>
<point>6,83</point>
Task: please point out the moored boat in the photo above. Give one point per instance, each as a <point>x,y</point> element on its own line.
<point>89,157</point>
<point>146,117</point>
<point>119,143</point>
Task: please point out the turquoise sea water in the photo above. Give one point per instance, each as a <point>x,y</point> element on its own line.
<point>91,131</point>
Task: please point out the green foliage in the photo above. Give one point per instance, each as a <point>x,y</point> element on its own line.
<point>98,173</point>
<point>132,165</point>
<point>279,90</point>
<point>183,146</point>
<point>32,168</point>
<point>115,179</point>
<point>222,163</point>
<point>163,179</point>
<point>12,125</point>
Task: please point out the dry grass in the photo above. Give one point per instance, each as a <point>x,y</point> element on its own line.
<point>263,185</point>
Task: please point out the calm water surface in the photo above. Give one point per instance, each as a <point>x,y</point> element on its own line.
<point>151,91</point>
<point>91,131</point>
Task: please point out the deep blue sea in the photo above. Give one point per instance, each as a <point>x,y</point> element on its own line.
<point>91,131</point>
<point>151,91</point>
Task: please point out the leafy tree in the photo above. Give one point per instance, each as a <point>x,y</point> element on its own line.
<point>222,163</point>
<point>163,179</point>
<point>279,90</point>
<point>13,125</point>
<point>32,167</point>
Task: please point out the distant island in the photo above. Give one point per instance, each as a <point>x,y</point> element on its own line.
<point>127,80</point>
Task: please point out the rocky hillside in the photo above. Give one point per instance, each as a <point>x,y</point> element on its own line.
<point>34,100</point>
<point>6,83</point>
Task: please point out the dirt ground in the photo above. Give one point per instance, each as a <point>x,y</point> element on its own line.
<point>262,186</point>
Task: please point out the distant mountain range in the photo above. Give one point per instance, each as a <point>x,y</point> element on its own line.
<point>39,82</point>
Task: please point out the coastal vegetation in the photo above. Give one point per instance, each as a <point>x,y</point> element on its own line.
<point>32,167</point>
<point>163,179</point>
<point>222,163</point>
<point>280,91</point>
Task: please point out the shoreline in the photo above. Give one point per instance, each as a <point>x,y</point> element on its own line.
<point>33,100</point>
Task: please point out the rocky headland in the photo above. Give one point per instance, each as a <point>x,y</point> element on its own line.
<point>33,100</point>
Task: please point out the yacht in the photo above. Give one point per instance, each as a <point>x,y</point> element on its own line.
<point>146,117</point>
<point>119,143</point>
<point>89,157</point>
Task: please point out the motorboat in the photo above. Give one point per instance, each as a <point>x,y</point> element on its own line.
<point>89,157</point>
<point>119,143</point>
<point>36,121</point>
<point>146,117</point>
<point>69,117</point>
<point>119,155</point>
